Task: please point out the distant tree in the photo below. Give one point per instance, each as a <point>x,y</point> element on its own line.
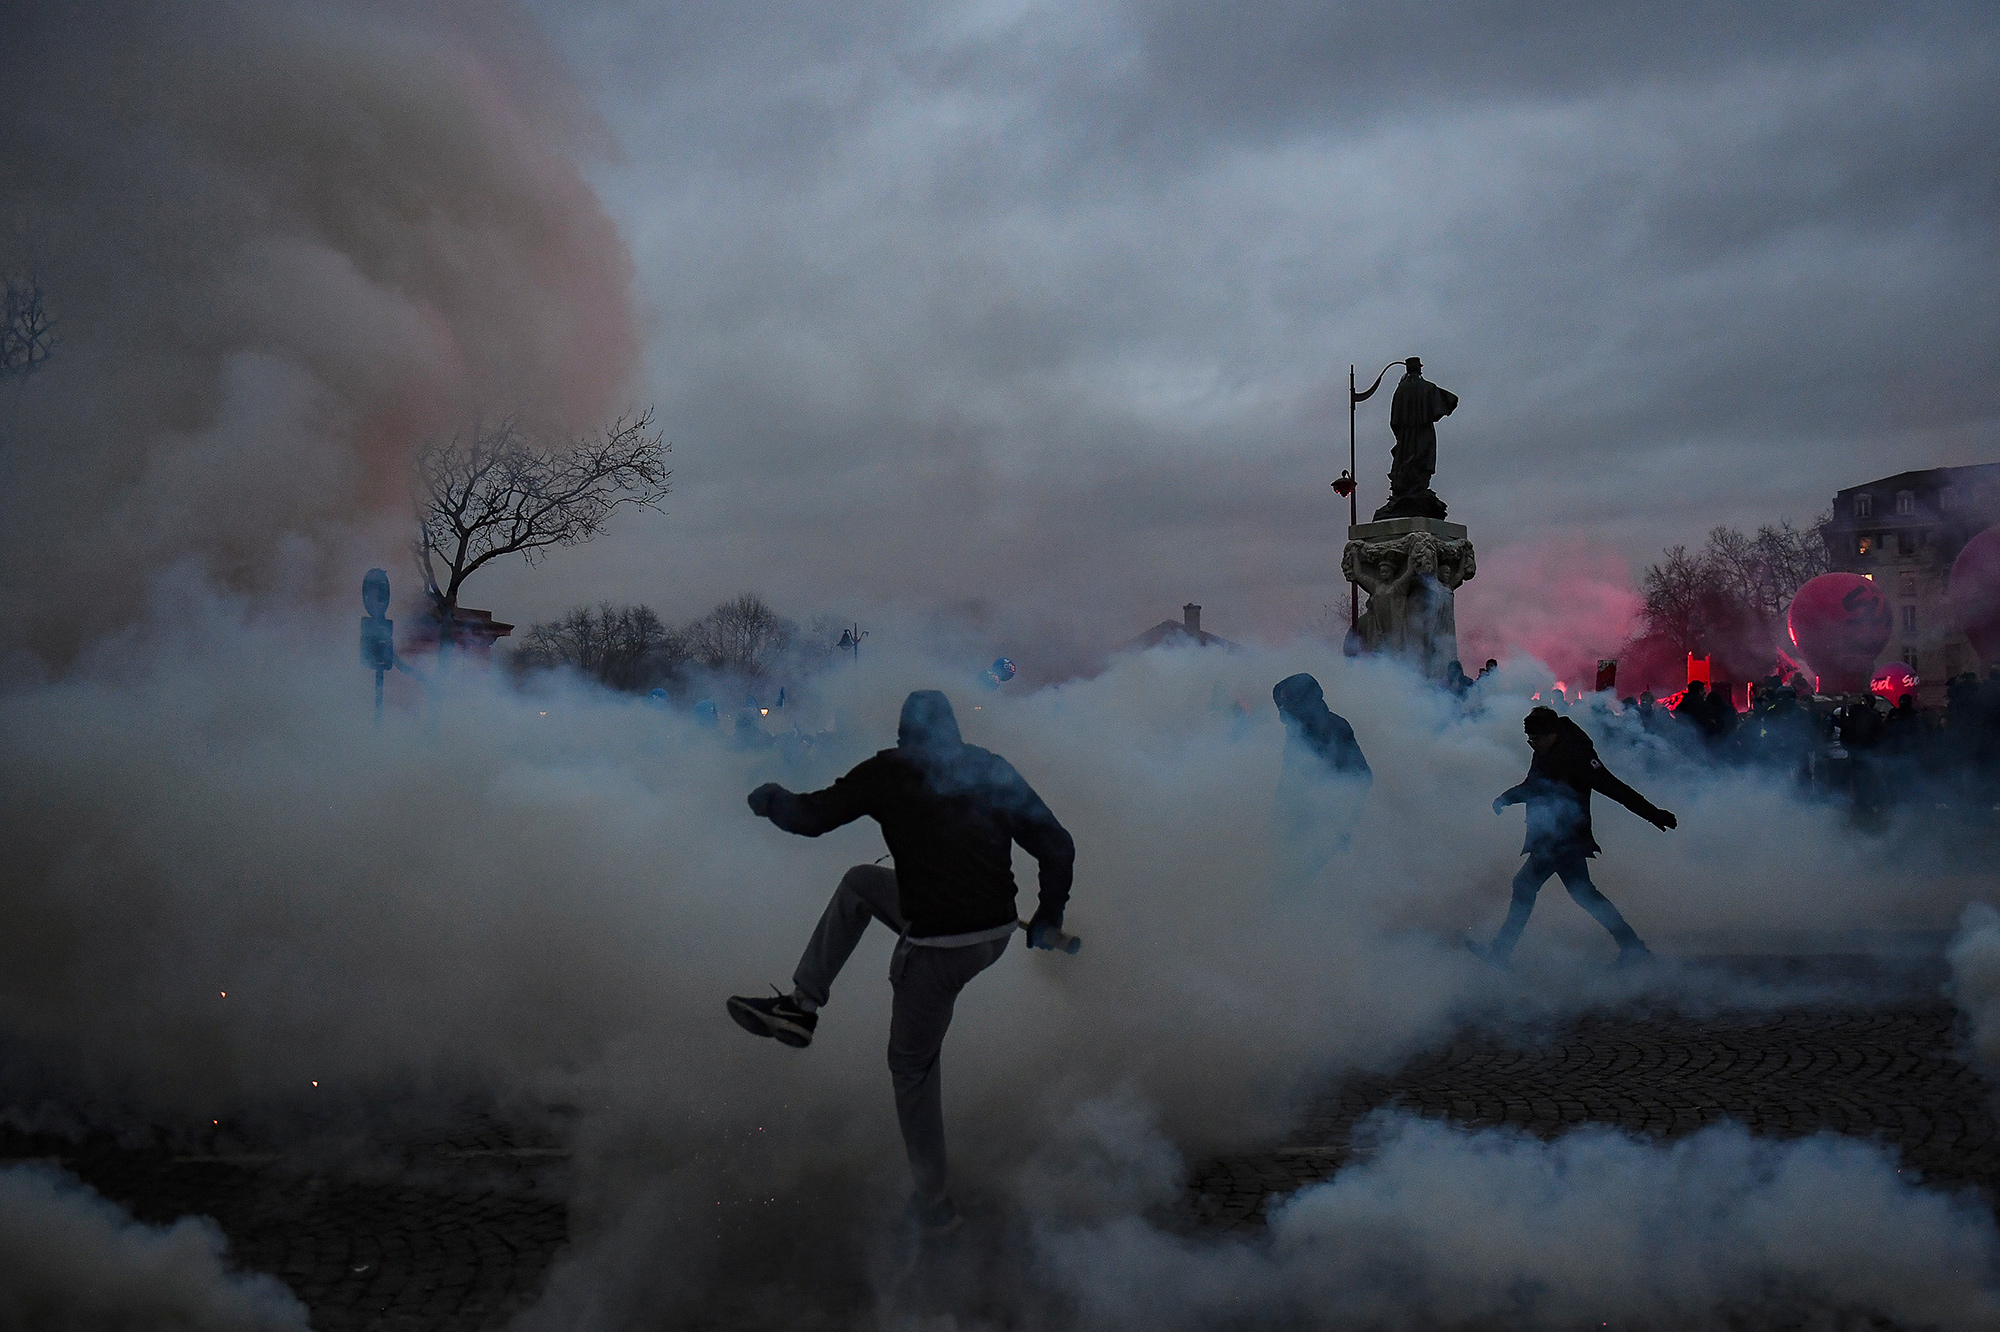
<point>621,647</point>
<point>27,332</point>
<point>491,491</point>
<point>1675,590</point>
<point>1762,573</point>
<point>1727,601</point>
<point>741,636</point>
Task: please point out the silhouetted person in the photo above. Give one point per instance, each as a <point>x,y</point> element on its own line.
<point>1650,713</point>
<point>1323,779</point>
<point>950,813</point>
<point>1455,678</point>
<point>1722,716</point>
<point>1557,791</point>
<point>1491,666</point>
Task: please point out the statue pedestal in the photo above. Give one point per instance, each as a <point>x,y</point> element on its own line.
<point>1410,568</point>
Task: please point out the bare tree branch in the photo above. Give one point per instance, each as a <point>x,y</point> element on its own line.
<point>622,647</point>
<point>27,331</point>
<point>492,491</point>
<point>740,636</point>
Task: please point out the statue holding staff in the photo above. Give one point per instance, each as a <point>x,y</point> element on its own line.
<point>1413,416</point>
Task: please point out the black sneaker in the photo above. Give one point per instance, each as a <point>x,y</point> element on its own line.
<point>778,1017</point>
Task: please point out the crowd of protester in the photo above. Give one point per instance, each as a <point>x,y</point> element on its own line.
<point>1862,748</point>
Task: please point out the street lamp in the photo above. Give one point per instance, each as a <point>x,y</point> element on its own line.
<point>1346,486</point>
<point>850,640</point>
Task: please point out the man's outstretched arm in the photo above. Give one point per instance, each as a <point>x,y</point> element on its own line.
<point>813,812</point>
<point>1602,781</point>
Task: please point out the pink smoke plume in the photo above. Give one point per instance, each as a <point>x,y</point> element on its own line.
<point>1564,600</point>
<point>286,243</point>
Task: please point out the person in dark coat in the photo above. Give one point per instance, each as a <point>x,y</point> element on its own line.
<point>1557,791</point>
<point>1323,780</point>
<point>951,814</point>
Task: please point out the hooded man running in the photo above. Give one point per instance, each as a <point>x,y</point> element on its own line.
<point>1557,791</point>
<point>950,813</point>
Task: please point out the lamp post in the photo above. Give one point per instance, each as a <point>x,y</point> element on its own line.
<point>850,640</point>
<point>1346,486</point>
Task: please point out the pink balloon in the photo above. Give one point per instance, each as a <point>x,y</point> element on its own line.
<point>1893,681</point>
<point>1840,622</point>
<point>1975,593</point>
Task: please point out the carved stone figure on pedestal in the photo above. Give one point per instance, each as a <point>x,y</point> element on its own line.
<point>1413,416</point>
<point>1410,578</point>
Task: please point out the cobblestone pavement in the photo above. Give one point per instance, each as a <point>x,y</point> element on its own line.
<point>455,1232</point>
<point>458,1231</point>
<point>1888,1070</point>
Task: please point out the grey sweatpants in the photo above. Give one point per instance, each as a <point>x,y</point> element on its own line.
<point>926,981</point>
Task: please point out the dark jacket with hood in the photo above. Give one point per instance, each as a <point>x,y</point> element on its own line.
<point>950,813</point>
<point>1316,737</point>
<point>1557,792</point>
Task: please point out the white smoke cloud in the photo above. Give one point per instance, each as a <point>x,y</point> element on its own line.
<point>1443,1228</point>
<point>1975,979</point>
<point>72,1262</point>
<point>226,886</point>
<point>285,242</point>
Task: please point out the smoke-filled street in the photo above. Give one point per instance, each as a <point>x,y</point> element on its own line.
<point>456,1226</point>
<point>986,666</point>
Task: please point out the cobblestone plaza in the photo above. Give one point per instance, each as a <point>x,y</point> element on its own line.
<point>460,1230</point>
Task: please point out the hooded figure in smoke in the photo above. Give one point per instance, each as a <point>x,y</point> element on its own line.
<point>1557,791</point>
<point>1323,781</point>
<point>950,813</point>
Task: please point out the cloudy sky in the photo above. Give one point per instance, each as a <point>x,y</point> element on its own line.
<point>1009,302</point>
<point>1041,314</point>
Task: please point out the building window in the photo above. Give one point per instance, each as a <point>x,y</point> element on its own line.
<point>1907,584</point>
<point>1864,505</point>
<point>1906,501</point>
<point>1910,659</point>
<point>1906,543</point>
<point>1863,544</point>
<point>1909,619</point>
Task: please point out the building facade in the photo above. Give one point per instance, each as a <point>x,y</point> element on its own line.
<point>1903,532</point>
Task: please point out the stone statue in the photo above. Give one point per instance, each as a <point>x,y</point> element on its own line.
<point>1413,415</point>
<point>1410,580</point>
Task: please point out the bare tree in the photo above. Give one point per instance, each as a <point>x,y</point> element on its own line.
<point>1674,592</point>
<point>621,647</point>
<point>494,492</point>
<point>740,636</point>
<point>27,332</point>
<point>1763,572</point>
<point>1728,601</point>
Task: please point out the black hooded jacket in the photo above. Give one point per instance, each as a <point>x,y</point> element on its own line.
<point>950,813</point>
<point>1313,729</point>
<point>1557,792</point>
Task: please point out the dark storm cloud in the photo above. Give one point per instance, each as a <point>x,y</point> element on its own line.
<point>1048,307</point>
